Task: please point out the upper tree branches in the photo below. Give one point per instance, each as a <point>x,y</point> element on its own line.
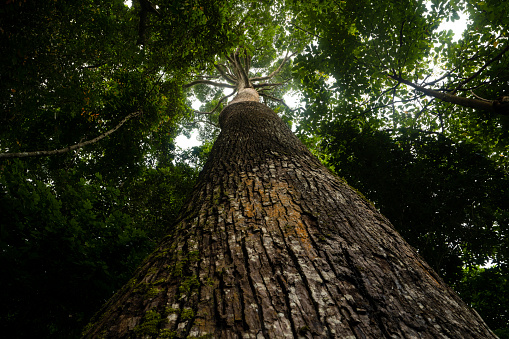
<point>235,71</point>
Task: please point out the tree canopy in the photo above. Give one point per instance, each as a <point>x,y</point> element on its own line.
<point>416,119</point>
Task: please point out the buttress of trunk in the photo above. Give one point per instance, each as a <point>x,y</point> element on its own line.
<point>273,245</point>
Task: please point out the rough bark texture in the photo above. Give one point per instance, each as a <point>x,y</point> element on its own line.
<point>272,245</point>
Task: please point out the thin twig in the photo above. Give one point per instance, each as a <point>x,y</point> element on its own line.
<point>470,78</point>
<point>208,82</point>
<point>219,103</point>
<point>276,71</point>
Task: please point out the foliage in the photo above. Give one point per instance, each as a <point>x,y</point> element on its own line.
<point>482,288</point>
<point>264,39</point>
<point>77,69</point>
<point>65,248</point>
<point>155,197</point>
<point>367,50</point>
<point>75,226</point>
<point>446,199</point>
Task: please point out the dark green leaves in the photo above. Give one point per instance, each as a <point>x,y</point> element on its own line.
<point>447,199</point>
<point>65,248</point>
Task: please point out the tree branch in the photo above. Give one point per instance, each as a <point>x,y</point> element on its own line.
<point>208,82</point>
<point>230,60</point>
<point>208,122</point>
<point>193,124</point>
<point>219,103</point>
<point>392,102</point>
<point>70,148</point>
<point>423,109</point>
<point>275,72</point>
<point>280,101</point>
<point>146,7</point>
<point>439,79</point>
<point>400,130</point>
<point>225,74</point>
<point>243,73</point>
<point>93,66</point>
<point>478,97</point>
<point>204,77</point>
<point>268,85</point>
<point>497,106</point>
<point>470,78</point>
<point>306,31</point>
<point>149,7</point>
<point>248,61</point>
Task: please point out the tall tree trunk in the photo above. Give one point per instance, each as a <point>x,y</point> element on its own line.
<point>273,245</point>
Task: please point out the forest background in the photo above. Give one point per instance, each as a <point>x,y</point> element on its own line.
<point>415,119</point>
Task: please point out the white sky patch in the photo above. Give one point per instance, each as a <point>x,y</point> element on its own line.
<point>185,143</point>
<point>195,103</point>
<point>457,27</point>
<point>292,99</point>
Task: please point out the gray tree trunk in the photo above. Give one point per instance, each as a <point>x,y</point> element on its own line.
<point>273,245</point>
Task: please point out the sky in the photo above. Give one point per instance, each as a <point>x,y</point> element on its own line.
<point>183,142</point>
<point>457,26</point>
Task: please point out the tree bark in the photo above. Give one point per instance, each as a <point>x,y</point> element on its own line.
<point>273,245</point>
